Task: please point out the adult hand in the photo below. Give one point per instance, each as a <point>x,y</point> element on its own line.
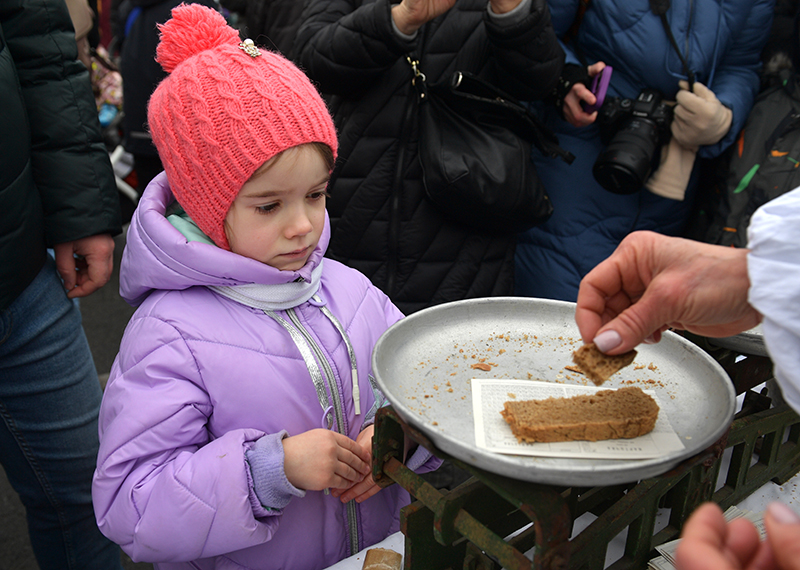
<point>653,282</point>
<point>411,15</point>
<point>367,487</point>
<point>320,459</point>
<point>92,268</point>
<point>708,542</point>
<point>699,117</point>
<point>573,110</point>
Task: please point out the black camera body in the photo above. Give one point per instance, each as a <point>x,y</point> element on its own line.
<point>637,128</point>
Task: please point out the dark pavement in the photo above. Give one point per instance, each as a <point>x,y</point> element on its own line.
<point>105,315</point>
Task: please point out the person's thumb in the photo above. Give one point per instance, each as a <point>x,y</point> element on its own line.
<point>704,92</point>
<point>783,535</point>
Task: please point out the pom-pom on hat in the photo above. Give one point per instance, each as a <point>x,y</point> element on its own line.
<point>225,108</point>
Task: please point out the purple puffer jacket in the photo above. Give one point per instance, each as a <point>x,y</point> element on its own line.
<point>190,468</point>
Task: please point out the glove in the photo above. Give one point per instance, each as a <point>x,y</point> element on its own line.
<point>699,117</point>
<point>672,176</point>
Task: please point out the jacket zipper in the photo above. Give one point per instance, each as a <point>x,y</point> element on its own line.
<point>352,511</point>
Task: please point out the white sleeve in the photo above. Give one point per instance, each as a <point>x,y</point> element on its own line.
<point>773,266</point>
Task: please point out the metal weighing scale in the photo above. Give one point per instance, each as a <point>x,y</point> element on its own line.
<point>516,504</point>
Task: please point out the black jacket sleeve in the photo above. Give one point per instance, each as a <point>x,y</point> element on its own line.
<point>70,162</point>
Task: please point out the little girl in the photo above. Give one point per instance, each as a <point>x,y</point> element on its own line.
<point>242,391</point>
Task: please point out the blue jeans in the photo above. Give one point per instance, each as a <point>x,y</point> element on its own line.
<point>49,401</point>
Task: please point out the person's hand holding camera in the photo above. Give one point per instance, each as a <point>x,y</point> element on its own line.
<point>699,117</point>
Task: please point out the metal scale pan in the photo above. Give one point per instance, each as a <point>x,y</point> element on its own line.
<point>423,364</point>
<point>749,342</point>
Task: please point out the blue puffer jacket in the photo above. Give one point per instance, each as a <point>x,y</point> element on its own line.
<point>724,40</point>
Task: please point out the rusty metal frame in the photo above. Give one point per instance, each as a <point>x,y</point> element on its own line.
<point>468,526</point>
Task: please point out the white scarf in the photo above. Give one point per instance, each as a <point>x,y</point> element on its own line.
<point>279,297</point>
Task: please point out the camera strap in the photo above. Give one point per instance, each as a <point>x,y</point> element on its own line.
<point>660,8</point>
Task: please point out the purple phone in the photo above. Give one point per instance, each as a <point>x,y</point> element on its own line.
<point>599,88</point>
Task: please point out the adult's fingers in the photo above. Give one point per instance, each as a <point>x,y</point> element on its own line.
<point>743,543</point>
<point>92,274</point>
<point>65,264</point>
<point>573,111</point>
<point>703,541</point>
<point>96,264</point>
<point>783,535</point>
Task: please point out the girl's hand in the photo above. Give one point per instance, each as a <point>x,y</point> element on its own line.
<point>367,487</point>
<point>319,459</point>
<point>573,111</point>
<point>411,15</point>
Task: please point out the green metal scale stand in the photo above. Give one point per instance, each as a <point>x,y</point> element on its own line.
<point>485,523</point>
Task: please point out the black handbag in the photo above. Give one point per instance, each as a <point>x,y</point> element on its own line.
<point>475,152</point>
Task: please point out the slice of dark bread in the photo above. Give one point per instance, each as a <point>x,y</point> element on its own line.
<point>608,414</point>
<point>599,366</point>
<point>382,559</point>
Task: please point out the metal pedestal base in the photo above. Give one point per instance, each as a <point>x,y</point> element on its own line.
<point>470,527</point>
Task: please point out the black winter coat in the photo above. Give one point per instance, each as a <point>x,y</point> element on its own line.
<point>56,180</point>
<point>271,24</point>
<point>382,224</point>
<point>141,73</point>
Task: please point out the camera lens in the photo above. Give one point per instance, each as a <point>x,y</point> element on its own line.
<point>625,163</point>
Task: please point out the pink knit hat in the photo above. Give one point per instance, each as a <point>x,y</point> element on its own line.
<point>224,109</point>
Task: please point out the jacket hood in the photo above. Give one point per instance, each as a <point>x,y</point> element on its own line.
<point>159,257</point>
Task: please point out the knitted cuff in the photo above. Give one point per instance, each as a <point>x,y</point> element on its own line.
<point>422,461</point>
<point>515,16</point>
<point>270,484</point>
<point>570,75</point>
<point>672,177</point>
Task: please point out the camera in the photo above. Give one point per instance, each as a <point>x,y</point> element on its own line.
<point>636,128</point>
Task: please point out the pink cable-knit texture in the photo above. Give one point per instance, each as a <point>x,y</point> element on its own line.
<point>222,113</point>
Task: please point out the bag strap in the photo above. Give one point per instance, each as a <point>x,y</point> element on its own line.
<point>470,86</point>
<point>467,86</point>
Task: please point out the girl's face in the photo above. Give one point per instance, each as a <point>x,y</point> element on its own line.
<point>278,216</point>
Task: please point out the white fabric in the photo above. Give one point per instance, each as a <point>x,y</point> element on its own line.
<point>274,297</point>
<point>774,270</point>
<point>672,177</point>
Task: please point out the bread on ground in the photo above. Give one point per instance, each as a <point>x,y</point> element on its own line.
<point>382,559</point>
<point>599,366</point>
<point>608,414</point>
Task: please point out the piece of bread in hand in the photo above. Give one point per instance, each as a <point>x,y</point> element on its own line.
<point>382,559</point>
<point>599,366</point>
<point>608,414</point>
